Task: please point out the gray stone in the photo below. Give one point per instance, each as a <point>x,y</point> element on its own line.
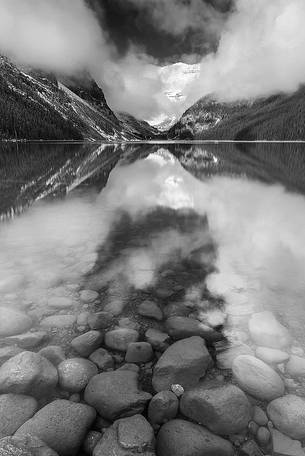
<point>163,407</point>
<point>24,445</point>
<point>226,357</point>
<point>87,343</point>
<point>284,445</point>
<point>58,302</point>
<point>250,448</point>
<point>288,415</point>
<point>183,363</point>
<point>116,394</point>
<point>54,353</point>
<point>139,352</point>
<point>259,416</point>
<point>119,339</point>
<point>266,331</point>
<point>257,378</point>
<point>13,322</point>
<point>28,373</point>
<point>296,367</point>
<point>224,409</point>
<point>150,309</point>
<point>28,340</point>
<point>157,339</point>
<point>88,296</point>
<point>182,438</point>
<point>263,436</point>
<point>127,437</point>
<point>15,410</point>
<point>74,374</point>
<point>102,358</point>
<point>271,355</point>
<point>100,320</point>
<point>183,327</point>
<point>62,425</point>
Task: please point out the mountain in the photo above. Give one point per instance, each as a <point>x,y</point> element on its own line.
<point>175,79</point>
<point>34,105</point>
<point>138,128</point>
<point>280,117</point>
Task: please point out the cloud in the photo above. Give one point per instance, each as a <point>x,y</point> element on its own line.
<point>260,52</point>
<point>56,35</point>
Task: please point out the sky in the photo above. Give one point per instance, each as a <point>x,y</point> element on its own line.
<point>244,49</point>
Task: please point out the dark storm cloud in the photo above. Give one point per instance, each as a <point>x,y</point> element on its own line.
<point>164,29</point>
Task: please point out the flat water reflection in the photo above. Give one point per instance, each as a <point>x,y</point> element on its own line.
<point>186,239</point>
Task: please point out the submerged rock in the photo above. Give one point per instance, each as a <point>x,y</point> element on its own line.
<point>54,353</point>
<point>271,355</point>
<point>61,424</point>
<point>87,343</point>
<point>183,363</point>
<point>288,415</point>
<point>182,438</point>
<point>266,331</point>
<point>116,394</point>
<point>224,410</point>
<point>139,352</point>
<point>296,367</point>
<point>102,358</point>
<point>13,322</point>
<point>183,327</point>
<point>284,445</point>
<point>163,407</point>
<point>257,378</point>
<point>28,373</point>
<point>15,410</point>
<point>119,339</point>
<point>150,309</point>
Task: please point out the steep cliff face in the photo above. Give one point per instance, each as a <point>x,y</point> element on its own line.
<point>280,117</point>
<point>34,105</point>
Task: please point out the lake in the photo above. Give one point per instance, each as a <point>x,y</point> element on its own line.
<point>210,234</point>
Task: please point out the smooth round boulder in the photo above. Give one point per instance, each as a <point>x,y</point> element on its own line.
<point>150,309</point>
<point>15,410</point>
<point>183,363</point>
<point>62,425</point>
<point>271,355</point>
<point>257,378</point>
<point>28,373</point>
<point>287,413</point>
<point>224,410</point>
<point>139,352</point>
<point>13,322</point>
<point>182,438</point>
<point>116,394</point>
<point>265,330</point>
<point>119,339</point>
<point>87,343</point>
<point>24,445</point>
<point>74,374</point>
<point>163,407</point>
<point>296,367</point>
<point>127,436</point>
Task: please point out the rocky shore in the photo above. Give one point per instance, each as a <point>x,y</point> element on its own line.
<point>91,378</point>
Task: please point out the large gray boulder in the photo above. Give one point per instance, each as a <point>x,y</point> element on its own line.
<point>15,410</point>
<point>224,409</point>
<point>24,445</point>
<point>127,437</point>
<point>183,363</point>
<point>257,378</point>
<point>62,425</point>
<point>28,373</point>
<point>116,394</point>
<point>287,413</point>
<point>182,438</point>
<point>75,373</point>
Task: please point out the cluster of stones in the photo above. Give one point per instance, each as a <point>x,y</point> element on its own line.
<point>158,389</point>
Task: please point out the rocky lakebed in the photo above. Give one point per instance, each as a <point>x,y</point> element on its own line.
<point>143,338</point>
